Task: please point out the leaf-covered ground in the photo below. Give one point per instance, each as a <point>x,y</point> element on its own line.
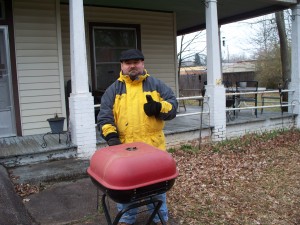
<point>251,180</point>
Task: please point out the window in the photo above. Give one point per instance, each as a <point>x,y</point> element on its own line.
<point>2,10</point>
<point>108,41</point>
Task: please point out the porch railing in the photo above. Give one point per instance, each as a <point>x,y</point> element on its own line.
<point>201,98</point>
<point>260,107</point>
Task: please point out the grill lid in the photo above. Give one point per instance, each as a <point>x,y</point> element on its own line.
<point>130,166</point>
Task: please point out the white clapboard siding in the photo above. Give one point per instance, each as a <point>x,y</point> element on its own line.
<point>38,66</point>
<point>157,37</point>
<point>42,127</point>
<point>47,40</point>
<point>45,59</point>
<point>36,46</point>
<point>41,118</point>
<point>37,86</point>
<point>35,4</point>
<point>41,105</point>
<point>29,18</point>
<point>45,79</point>
<point>39,99</point>
<point>35,33</point>
<point>46,112</point>
<point>37,49</point>
<point>36,73</point>
<point>35,26</point>
<point>32,93</point>
<point>35,53</point>
<point>37,130</point>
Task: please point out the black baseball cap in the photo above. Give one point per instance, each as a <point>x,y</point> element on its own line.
<point>131,54</point>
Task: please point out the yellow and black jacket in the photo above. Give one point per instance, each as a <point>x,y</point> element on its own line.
<point>122,110</point>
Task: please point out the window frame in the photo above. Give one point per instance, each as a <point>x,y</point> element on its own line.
<point>92,26</point>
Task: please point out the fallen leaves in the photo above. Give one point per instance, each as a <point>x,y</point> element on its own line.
<point>251,180</point>
<point>24,190</point>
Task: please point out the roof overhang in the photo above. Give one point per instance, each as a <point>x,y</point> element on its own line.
<point>190,14</point>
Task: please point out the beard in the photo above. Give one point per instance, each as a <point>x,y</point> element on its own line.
<point>133,74</point>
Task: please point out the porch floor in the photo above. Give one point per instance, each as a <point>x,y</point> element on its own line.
<point>32,144</point>
<point>27,145</point>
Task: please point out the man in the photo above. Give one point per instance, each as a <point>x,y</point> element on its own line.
<point>133,109</point>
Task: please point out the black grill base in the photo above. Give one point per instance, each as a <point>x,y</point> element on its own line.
<point>127,196</point>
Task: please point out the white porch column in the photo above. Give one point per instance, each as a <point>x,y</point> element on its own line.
<point>215,88</point>
<point>81,102</point>
<point>295,76</point>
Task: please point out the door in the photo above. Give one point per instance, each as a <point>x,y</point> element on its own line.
<point>7,119</point>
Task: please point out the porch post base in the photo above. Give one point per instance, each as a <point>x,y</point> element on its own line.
<point>216,102</point>
<point>82,124</point>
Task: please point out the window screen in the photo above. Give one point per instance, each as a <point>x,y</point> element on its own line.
<point>108,43</point>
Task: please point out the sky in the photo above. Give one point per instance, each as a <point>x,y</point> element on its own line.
<point>237,38</point>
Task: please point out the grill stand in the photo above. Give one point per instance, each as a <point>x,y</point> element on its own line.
<point>156,203</point>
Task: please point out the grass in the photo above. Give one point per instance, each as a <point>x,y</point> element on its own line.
<point>250,180</point>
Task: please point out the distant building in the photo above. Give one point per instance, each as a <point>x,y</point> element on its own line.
<point>232,72</point>
<point>193,70</point>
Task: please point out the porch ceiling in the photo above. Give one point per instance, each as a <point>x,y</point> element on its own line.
<point>190,14</point>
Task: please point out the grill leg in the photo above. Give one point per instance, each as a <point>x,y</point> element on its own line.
<point>158,213</point>
<point>98,199</point>
<point>106,212</point>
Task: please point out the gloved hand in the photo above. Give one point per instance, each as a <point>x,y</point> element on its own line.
<point>114,141</point>
<point>152,108</point>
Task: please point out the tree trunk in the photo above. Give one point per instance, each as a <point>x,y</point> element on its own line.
<point>284,53</point>
<point>179,62</point>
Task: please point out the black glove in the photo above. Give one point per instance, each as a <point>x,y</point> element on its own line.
<point>114,141</point>
<point>152,108</point>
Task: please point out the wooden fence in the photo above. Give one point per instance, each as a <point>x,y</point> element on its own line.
<point>191,85</point>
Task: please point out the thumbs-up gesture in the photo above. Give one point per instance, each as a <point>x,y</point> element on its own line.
<point>152,108</point>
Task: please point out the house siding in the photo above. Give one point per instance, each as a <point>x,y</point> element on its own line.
<point>39,77</point>
<point>157,38</point>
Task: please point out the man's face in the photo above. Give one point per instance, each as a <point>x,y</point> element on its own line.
<point>133,68</point>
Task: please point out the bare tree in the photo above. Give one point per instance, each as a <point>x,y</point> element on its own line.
<point>264,35</point>
<point>187,47</point>
<point>284,53</point>
<point>284,46</point>
<point>273,55</point>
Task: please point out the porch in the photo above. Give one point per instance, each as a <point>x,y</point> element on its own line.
<point>16,151</point>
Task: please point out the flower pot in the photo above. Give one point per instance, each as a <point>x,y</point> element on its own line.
<point>56,124</point>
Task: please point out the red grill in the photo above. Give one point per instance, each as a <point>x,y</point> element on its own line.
<point>131,172</point>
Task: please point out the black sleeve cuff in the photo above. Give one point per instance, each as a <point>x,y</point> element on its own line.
<point>111,135</point>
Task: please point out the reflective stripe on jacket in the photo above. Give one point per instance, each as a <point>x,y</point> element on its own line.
<point>122,110</point>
